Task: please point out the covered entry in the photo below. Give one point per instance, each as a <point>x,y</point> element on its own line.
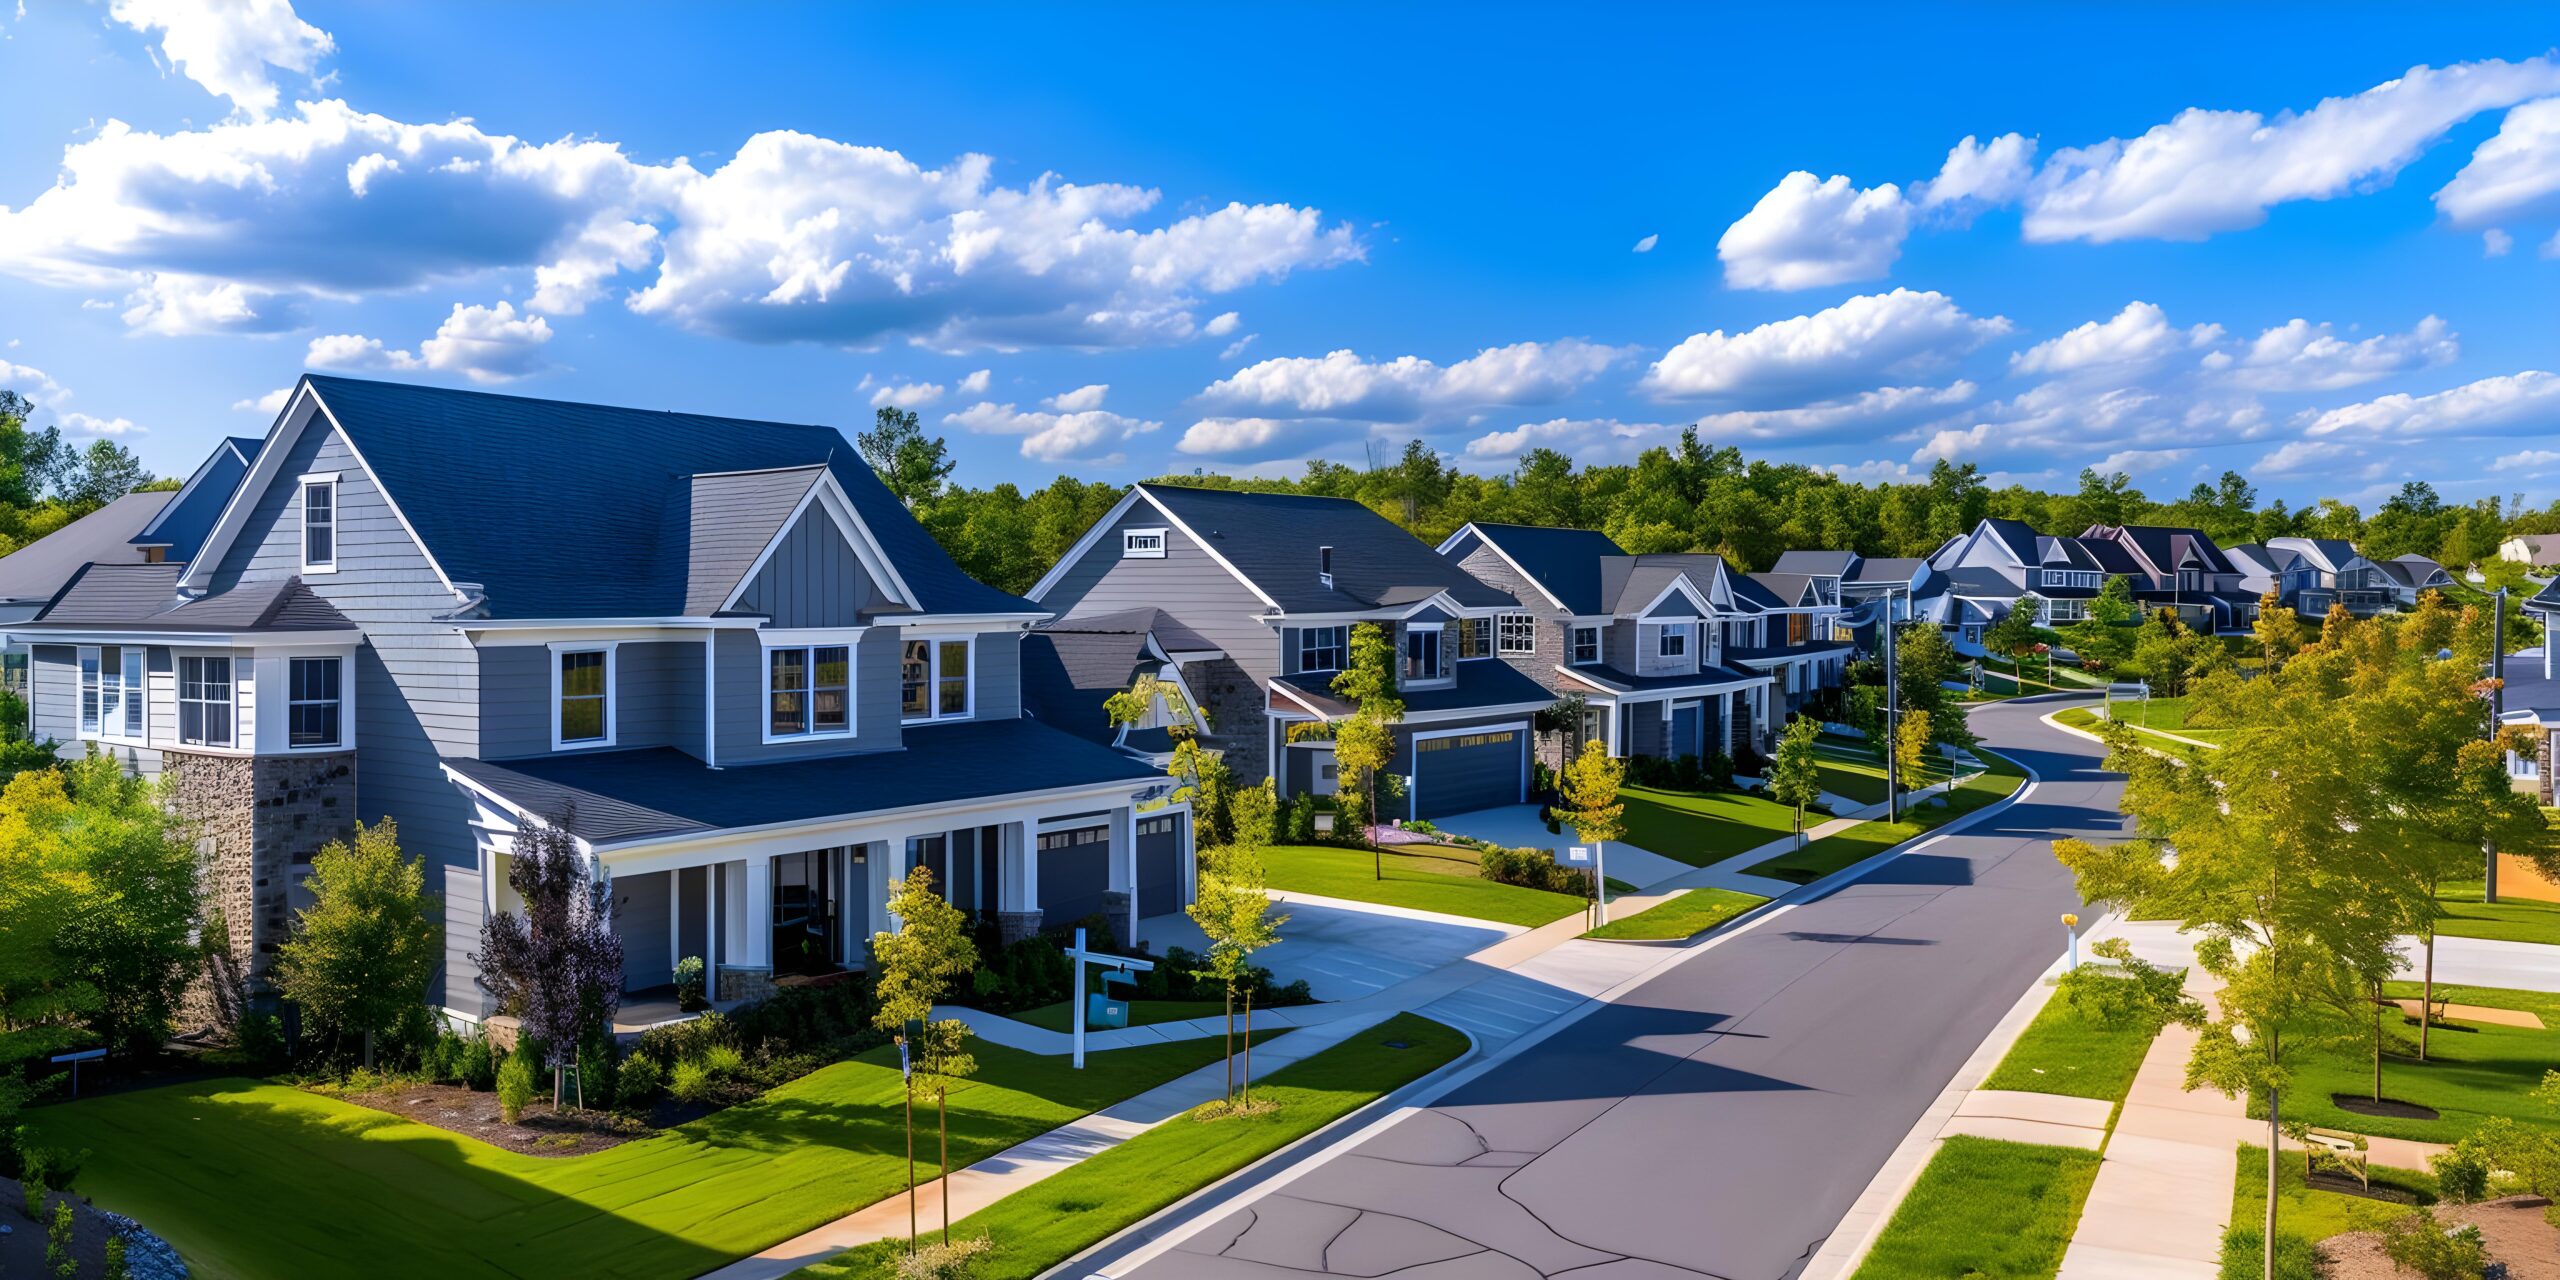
<point>1458,770</point>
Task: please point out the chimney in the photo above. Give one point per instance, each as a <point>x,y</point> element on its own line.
<point>1324,566</point>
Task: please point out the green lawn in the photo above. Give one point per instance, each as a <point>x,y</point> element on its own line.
<point>1142,1013</point>
<point>1686,916</point>
<point>2084,718</point>
<point>1985,1208</point>
<point>2067,1053</point>
<point>2509,920</point>
<point>1703,828</point>
<point>1419,882</point>
<point>253,1180</point>
<point>1851,771</point>
<point>1043,1225</point>
<point>2470,1074</point>
<point>1830,853</point>
<point>2310,1214</point>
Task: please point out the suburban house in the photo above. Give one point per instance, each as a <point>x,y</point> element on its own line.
<point>1672,655</point>
<point>717,653</point>
<point>2338,575</point>
<point>1976,578</point>
<point>2533,550</point>
<point>2410,576</point>
<point>30,575</point>
<point>2263,568</point>
<point>1071,670</point>
<point>1276,582</point>
<point>1856,579</point>
<point>2177,569</point>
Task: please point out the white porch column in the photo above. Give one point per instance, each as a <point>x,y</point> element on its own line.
<point>881,873</point>
<point>1124,868</point>
<point>758,952</point>
<point>1017,880</point>
<point>733,912</point>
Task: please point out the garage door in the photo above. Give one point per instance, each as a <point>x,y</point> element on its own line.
<point>1075,874</point>
<point>1466,771</point>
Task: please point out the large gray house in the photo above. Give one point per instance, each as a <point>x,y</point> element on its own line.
<point>718,653</point>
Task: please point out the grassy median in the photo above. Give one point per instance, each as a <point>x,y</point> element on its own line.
<point>1686,916</point>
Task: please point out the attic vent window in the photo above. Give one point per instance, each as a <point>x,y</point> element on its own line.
<point>1324,566</point>
<point>1142,544</point>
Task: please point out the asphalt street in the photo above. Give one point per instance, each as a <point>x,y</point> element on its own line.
<point>1719,1119</point>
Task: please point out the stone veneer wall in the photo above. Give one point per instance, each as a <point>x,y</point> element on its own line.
<point>257,821</point>
<point>1237,728</point>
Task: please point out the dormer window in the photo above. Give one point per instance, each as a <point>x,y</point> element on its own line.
<point>1674,642</point>
<point>934,680</point>
<point>1324,567</point>
<point>1422,653</point>
<point>320,523</point>
<point>1142,544</point>
<point>808,691</point>
<point>1586,645</point>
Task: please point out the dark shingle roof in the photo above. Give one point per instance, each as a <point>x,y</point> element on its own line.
<point>39,569</point>
<point>1171,634</point>
<point>1708,674</point>
<point>143,597</point>
<point>2110,555</point>
<point>181,526</point>
<point>526,496</point>
<point>612,796</point>
<point>1481,682</point>
<point>1788,589</point>
<point>1271,538</point>
<point>2165,546</point>
<point>1816,564</point>
<point>2016,535</point>
<point>1068,675</point>
<point>1629,583</point>
<point>1894,569</point>
<point>1565,562</point>
<point>720,522</point>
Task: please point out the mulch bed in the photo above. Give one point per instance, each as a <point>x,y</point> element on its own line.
<point>22,1250</point>
<point>2512,1229</point>
<point>540,1131</point>
<point>2364,1105</point>
<point>2345,1184</point>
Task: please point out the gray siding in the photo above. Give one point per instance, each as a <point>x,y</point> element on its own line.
<point>641,919</point>
<point>657,689</point>
<point>1185,583</point>
<point>740,695</point>
<point>53,699</point>
<point>416,679</point>
<point>813,579</point>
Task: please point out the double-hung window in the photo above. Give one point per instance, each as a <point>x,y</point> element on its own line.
<point>1516,635</point>
<point>315,700</point>
<point>808,691</point>
<point>205,701</point>
<point>319,524</point>
<point>1674,641</point>
<point>92,694</point>
<point>933,680</point>
<point>1586,645</point>
<point>1142,544</point>
<point>582,694</point>
<point>112,699</point>
<point>1324,648</point>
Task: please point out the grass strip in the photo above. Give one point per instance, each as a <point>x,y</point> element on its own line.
<point>1985,1208</point>
<point>2066,1052</point>
<point>1335,871</point>
<point>2001,777</point>
<point>1685,916</point>
<point>1061,1216</point>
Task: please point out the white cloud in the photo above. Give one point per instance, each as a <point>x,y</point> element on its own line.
<point>2505,404</point>
<point>488,344</point>
<point>1224,437</point>
<point>1646,245</point>
<point>1809,232</point>
<point>168,303</point>
<point>1222,324</point>
<point>2210,171</point>
<point>1875,471</point>
<point>976,383</point>
<point>87,425</point>
<point>1980,174</point>
<point>2132,460</point>
<point>2516,172</point>
<point>2300,356</point>
<point>1586,439</point>
<point>2299,457</point>
<point>270,404</point>
<point>911,395</point>
<point>1342,384</point>
<point>33,383</point>
<point>1859,344</point>
<point>1076,429</point>
<point>2528,460</point>
<point>1236,348</point>
<point>1080,399</point>
<point>227,46</point>
<point>2495,243</point>
<point>356,351</point>
<point>2140,335</point>
<point>1864,413</point>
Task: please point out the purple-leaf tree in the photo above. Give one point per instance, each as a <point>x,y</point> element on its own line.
<point>557,967</point>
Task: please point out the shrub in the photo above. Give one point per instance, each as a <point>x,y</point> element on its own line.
<point>638,1082</point>
<point>1300,825</point>
<point>831,1021</point>
<point>689,974</point>
<point>1533,869</point>
<point>1025,975</point>
<point>32,1188</point>
<point>724,1062</point>
<point>691,1084</point>
<point>599,1072</point>
<point>414,1036</point>
<point>260,1040</point>
<point>2296,1258</point>
<point>1423,826</point>
<point>956,1260</point>
<point>477,1065</point>
<point>677,1041</point>
<point>2417,1243</point>
<point>117,1268</point>
<point>58,1257</point>
<point>2462,1174</point>
<point>515,1087</point>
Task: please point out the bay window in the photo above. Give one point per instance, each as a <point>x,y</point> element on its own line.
<point>934,680</point>
<point>808,691</point>
<point>315,700</point>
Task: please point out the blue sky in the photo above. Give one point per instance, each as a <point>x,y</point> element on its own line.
<point>1116,243</point>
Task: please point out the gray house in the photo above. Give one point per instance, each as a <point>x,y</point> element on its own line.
<point>1276,582</point>
<point>716,652</point>
<point>1977,578</point>
<point>2339,574</point>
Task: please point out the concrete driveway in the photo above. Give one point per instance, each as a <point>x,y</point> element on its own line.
<point>1345,953</point>
<point>1516,826</point>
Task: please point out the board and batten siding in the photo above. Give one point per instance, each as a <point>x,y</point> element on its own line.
<point>1184,582</point>
<point>657,698</point>
<point>417,680</point>
<point>813,578</point>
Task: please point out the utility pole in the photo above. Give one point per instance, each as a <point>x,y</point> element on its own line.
<point>2497,716</point>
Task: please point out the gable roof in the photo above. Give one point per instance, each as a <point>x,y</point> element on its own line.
<point>721,522</point>
<point>1879,571</point>
<point>2412,570</point>
<point>2328,554</point>
<point>2165,547</point>
<point>1816,564</point>
<point>525,497</point>
<point>182,524</point>
<point>41,568</point>
<point>1792,590</point>
<point>143,597</point>
<point>1270,540</point>
<point>1628,584</point>
<point>2014,535</point>
<point>1565,563</point>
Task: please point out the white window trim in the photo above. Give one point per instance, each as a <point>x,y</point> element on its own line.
<point>179,700</point>
<point>92,688</point>
<point>1131,538</point>
<point>1502,645</point>
<point>1446,659</point>
<point>850,642</point>
<point>337,522</point>
<point>934,713</point>
<point>132,694</point>
<point>1573,643</point>
<point>1663,632</point>
<point>1304,632</point>
<point>612,709</point>
<point>346,676</point>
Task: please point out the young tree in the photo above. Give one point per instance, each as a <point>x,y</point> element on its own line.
<point>1364,741</point>
<point>1201,778</point>
<point>1924,661</point>
<point>910,464</point>
<point>132,938</point>
<point>1911,749</point>
<point>558,966</point>
<point>1233,911</point>
<point>2102,638</point>
<point>1591,807</point>
<point>46,1001</point>
<point>365,949</point>
<point>2015,635</point>
<point>2278,628</point>
<point>913,968</point>
<point>1795,772</point>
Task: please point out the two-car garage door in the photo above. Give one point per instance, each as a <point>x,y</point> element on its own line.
<point>1473,769</point>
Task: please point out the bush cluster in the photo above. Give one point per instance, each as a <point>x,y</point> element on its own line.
<point>1532,869</point>
<point>1711,772</point>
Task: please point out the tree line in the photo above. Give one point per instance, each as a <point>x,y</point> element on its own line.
<point>47,481</point>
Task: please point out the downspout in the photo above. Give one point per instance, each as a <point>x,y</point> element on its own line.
<point>710,700</point>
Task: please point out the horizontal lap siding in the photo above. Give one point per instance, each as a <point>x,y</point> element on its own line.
<point>741,700</point>
<point>416,679</point>
<point>657,688</point>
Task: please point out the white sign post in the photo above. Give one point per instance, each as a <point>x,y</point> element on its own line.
<point>1597,913</point>
<point>1080,956</point>
<point>75,1059</point>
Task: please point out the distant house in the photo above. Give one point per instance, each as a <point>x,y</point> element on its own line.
<point>2534,550</point>
<point>1071,670</point>
<point>1977,578</point>
<point>30,575</point>
<point>2339,575</point>
<point>2411,576</point>
<point>2181,570</point>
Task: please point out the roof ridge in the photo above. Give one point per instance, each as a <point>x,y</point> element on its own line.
<point>433,389</point>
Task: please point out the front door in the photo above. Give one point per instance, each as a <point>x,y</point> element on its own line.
<point>804,912</point>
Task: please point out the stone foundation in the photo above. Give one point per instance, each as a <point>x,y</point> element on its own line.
<point>1233,702</point>
<point>257,821</point>
<point>745,984</point>
<point>1014,926</point>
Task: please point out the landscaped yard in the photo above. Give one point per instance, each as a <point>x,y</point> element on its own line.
<point>1039,1227</point>
<point>1830,853</point>
<point>1142,1013</point>
<point>2473,1071</point>
<point>1703,828</point>
<point>255,1180</point>
<point>1985,1208</point>
<point>2064,1051</point>
<point>2508,920</point>
<point>2305,1212</point>
<point>1686,916</point>
<point>1851,770</point>
<point>1422,882</point>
